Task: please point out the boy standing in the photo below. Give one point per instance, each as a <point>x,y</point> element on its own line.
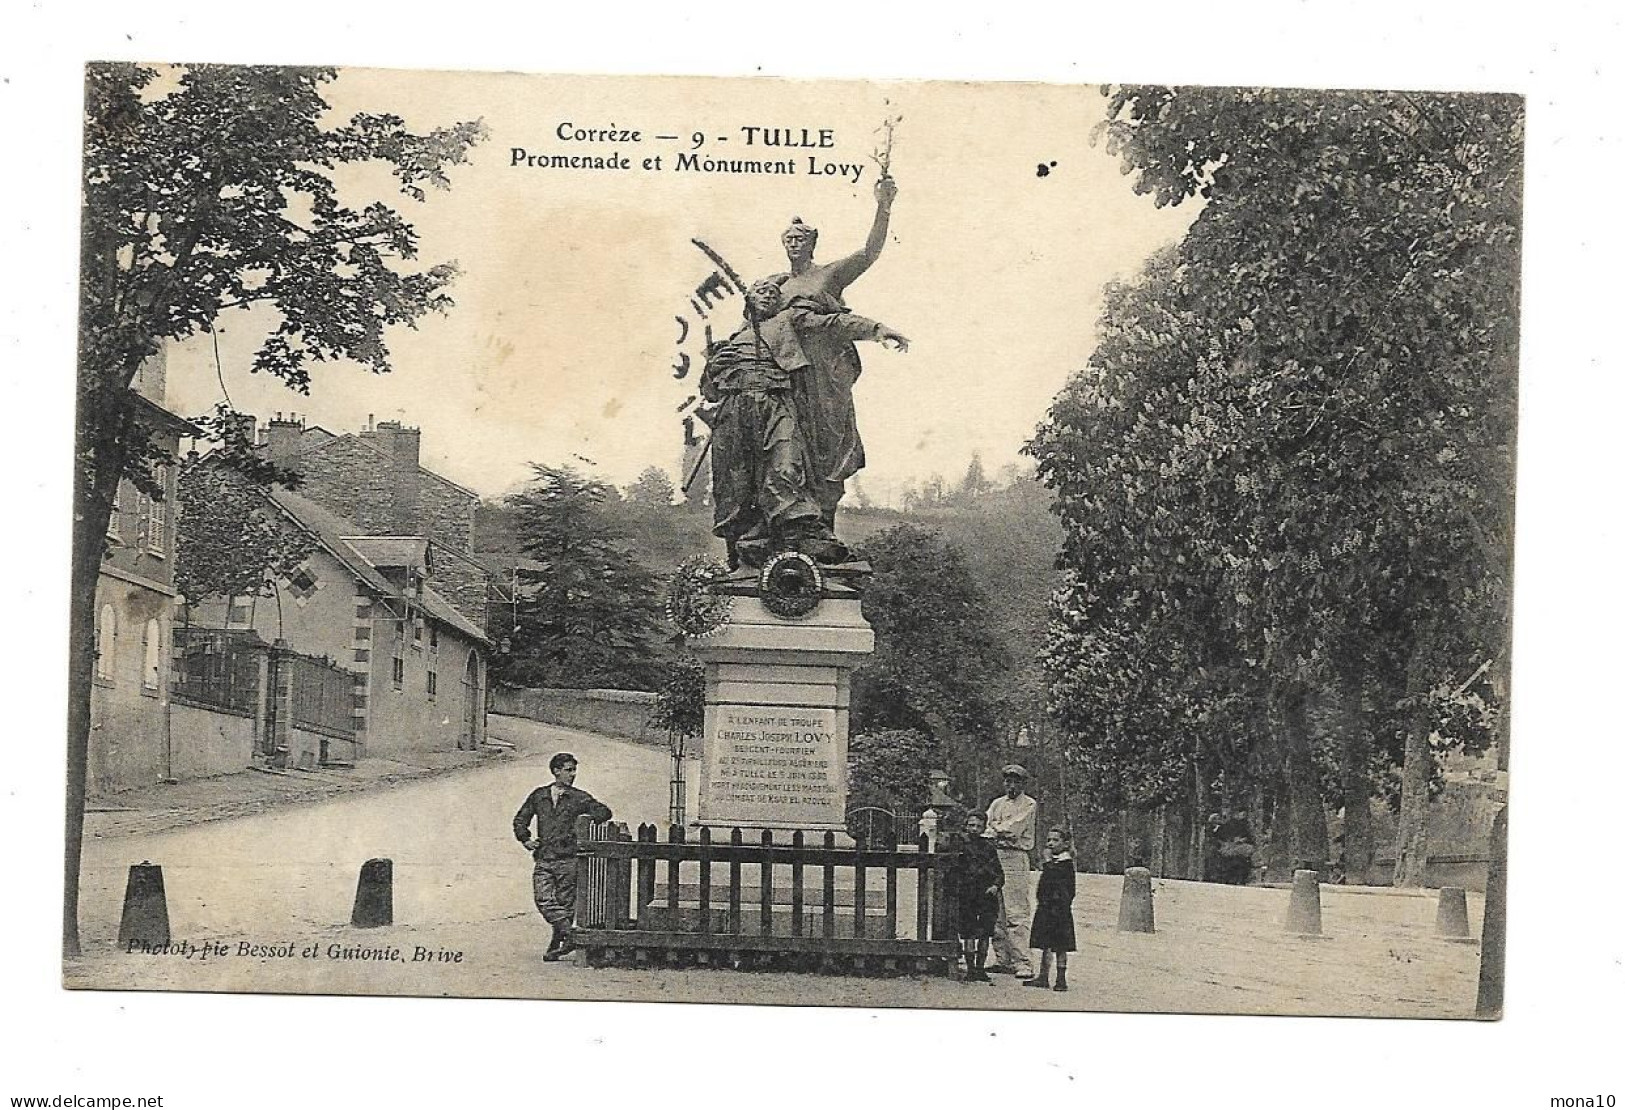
<point>554,809</point>
<point>975,879</point>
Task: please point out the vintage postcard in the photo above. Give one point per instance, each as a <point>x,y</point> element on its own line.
<point>1000,546</point>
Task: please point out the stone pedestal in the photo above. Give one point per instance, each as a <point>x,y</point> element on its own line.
<point>777,693</point>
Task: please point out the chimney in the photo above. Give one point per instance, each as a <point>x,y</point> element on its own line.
<point>247,426</point>
<point>282,440</point>
<point>401,445</point>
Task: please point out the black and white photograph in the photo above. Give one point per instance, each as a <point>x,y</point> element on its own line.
<point>929,546</point>
<point>558,537</point>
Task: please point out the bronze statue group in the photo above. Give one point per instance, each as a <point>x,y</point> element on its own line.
<point>784,434</point>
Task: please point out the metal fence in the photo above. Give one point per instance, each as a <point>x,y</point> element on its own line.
<point>218,669</point>
<point>321,695</point>
<point>876,826</point>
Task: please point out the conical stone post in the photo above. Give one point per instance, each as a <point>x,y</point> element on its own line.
<point>145,920</point>
<point>1303,912</point>
<point>1451,920</point>
<point>1135,913</point>
<point>374,895</point>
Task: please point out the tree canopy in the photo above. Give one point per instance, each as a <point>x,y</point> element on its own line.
<point>588,610</point>
<point>207,189</point>
<point>939,668</point>
<point>1285,474</point>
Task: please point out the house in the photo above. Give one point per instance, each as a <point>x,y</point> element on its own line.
<point>135,603</point>
<point>377,642</point>
<point>375,478</point>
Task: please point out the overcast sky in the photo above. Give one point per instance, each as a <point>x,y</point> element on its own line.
<point>562,341</point>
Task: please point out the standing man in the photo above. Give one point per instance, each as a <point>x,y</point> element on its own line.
<point>554,808</point>
<point>1012,821</point>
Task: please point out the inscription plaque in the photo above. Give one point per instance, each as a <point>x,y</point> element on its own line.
<point>775,766</point>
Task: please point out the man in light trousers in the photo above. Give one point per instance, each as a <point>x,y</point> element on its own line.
<point>1012,822</point>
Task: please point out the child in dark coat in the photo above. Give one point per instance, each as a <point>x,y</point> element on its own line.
<point>975,879</point>
<point>1052,922</point>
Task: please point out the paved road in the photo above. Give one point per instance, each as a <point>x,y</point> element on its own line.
<point>462,885</point>
<point>450,837</point>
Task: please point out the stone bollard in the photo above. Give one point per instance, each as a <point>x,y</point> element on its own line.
<point>1303,912</point>
<point>1134,914</point>
<point>1451,921</point>
<point>146,914</point>
<point>375,895</point>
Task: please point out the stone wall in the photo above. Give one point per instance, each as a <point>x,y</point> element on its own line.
<point>209,742</point>
<point>623,714</point>
<point>351,479</point>
<point>445,512</point>
<point>464,583</point>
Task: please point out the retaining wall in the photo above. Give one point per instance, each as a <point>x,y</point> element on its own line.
<point>623,714</point>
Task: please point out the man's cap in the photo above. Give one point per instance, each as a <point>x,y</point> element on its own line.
<point>1015,769</point>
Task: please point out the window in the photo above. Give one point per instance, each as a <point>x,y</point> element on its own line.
<point>151,657</point>
<point>399,662</point>
<point>157,524</point>
<point>304,584</point>
<point>106,643</point>
<point>434,660</point>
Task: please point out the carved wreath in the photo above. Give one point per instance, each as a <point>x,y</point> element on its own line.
<point>692,600</point>
<point>791,584</point>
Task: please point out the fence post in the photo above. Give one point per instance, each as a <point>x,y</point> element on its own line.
<point>583,914</point>
<point>705,879</point>
<point>646,870</point>
<point>674,835</point>
<point>736,842</point>
<point>765,887</point>
<point>282,705</point>
<point>922,889</point>
<point>798,842</point>
<point>264,720</point>
<point>829,886</point>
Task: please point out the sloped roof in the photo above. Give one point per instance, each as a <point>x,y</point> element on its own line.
<point>329,529</point>
<point>392,551</point>
<point>155,414</point>
<point>447,613</point>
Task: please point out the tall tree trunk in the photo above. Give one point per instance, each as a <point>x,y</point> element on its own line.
<point>1355,772</point>
<point>1410,852</point>
<point>93,502</point>
<point>1196,860</point>
<point>1276,844</point>
<point>1310,840</point>
<point>1159,854</point>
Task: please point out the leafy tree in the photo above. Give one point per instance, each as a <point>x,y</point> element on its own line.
<point>680,700</point>
<point>888,768</point>
<point>234,543</point>
<point>653,487</point>
<point>589,616</point>
<point>938,667</point>
<point>1286,470</point>
<point>207,189</point>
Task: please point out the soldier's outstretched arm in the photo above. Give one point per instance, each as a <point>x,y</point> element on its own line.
<point>852,327</point>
